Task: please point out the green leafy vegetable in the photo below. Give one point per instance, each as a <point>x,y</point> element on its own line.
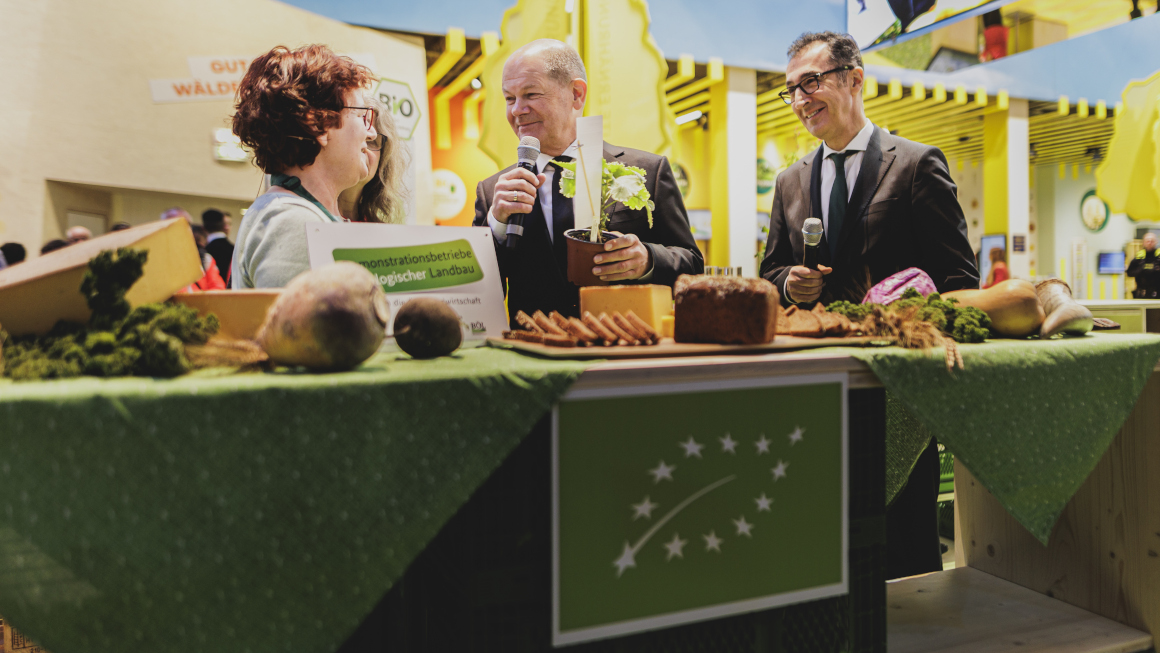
<point>962,323</point>
<point>117,340</point>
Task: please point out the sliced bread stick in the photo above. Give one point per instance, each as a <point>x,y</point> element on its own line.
<point>599,329</point>
<point>644,327</point>
<point>626,326</point>
<point>559,320</point>
<point>526,321</point>
<point>582,332</point>
<point>547,325</point>
<point>559,341</point>
<point>612,326</point>
<point>525,336</point>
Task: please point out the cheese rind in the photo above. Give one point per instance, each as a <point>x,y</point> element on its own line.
<point>650,302</point>
<point>240,312</point>
<point>42,290</point>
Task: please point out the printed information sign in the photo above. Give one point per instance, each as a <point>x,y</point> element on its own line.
<point>456,265</point>
<point>687,502</point>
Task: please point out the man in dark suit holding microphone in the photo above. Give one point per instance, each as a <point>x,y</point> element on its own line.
<point>886,204</point>
<point>890,205</point>
<point>544,85</point>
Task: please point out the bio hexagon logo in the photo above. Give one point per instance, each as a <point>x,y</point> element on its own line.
<point>401,104</point>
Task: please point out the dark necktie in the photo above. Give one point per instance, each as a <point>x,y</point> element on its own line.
<point>562,216</point>
<point>839,197</point>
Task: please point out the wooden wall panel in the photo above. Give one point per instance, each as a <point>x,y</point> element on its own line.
<point>1104,553</point>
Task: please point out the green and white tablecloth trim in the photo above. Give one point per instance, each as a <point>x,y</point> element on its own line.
<point>253,512</point>
<point>1030,419</point>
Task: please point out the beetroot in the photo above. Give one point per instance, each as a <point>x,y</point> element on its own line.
<point>332,318</point>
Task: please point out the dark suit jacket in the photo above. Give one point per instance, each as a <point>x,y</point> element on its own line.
<point>904,213</point>
<point>222,251</point>
<point>536,280</point>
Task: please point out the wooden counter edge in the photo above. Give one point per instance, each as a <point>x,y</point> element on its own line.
<point>707,368</point>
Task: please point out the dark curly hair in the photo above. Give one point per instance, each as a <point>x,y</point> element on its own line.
<point>288,98</point>
<point>843,49</point>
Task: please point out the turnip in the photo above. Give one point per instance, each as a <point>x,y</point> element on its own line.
<point>332,318</point>
<point>426,328</point>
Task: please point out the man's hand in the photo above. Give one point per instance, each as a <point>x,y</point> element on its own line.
<point>515,192</point>
<point>804,284</point>
<point>625,257</point>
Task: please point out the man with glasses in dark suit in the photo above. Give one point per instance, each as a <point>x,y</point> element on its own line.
<point>886,204</point>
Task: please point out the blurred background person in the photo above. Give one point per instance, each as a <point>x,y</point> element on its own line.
<point>176,212</point>
<point>13,253</point>
<point>994,37</point>
<point>999,271</point>
<point>304,115</point>
<point>77,234</point>
<point>211,278</point>
<point>217,224</point>
<point>379,196</point>
<point>53,245</point>
<point>1146,269</point>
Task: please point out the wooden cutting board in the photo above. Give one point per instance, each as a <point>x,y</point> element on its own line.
<point>668,348</point>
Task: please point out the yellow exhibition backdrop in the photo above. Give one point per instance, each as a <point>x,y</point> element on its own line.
<point>626,71</point>
<point>1129,179</point>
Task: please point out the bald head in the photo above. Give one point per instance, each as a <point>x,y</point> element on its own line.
<point>1150,241</point>
<point>78,234</point>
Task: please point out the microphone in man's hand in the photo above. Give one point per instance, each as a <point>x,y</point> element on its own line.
<point>812,233</point>
<point>526,155</point>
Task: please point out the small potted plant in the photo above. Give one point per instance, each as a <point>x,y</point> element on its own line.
<point>618,183</point>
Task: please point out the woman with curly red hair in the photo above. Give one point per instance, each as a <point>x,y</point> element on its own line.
<point>304,115</point>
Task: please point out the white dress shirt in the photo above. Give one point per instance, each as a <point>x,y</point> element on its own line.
<point>857,147</point>
<point>499,229</point>
<point>853,166</point>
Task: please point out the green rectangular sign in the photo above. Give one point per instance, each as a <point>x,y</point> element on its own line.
<point>687,502</point>
<point>417,267</point>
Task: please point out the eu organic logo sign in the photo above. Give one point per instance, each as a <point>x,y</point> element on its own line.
<point>687,505</point>
<point>417,267</point>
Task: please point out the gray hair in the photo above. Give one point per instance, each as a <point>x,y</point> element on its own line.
<point>562,63</point>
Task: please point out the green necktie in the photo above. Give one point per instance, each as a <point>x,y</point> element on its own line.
<point>839,196</point>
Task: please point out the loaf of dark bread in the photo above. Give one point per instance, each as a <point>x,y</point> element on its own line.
<point>725,310</point>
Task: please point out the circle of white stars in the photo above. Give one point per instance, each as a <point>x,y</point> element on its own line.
<point>742,527</point>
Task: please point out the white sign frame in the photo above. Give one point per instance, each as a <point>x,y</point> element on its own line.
<point>480,304</point>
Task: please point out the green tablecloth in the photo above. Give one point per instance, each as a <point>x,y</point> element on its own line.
<point>271,511</point>
<point>1029,418</point>
<point>259,512</point>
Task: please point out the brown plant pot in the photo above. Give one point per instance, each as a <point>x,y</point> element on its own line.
<point>580,253</point>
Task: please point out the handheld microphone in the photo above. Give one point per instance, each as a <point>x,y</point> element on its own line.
<point>812,234</point>
<point>526,155</point>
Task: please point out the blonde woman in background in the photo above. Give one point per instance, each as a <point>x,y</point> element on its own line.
<point>379,197</point>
